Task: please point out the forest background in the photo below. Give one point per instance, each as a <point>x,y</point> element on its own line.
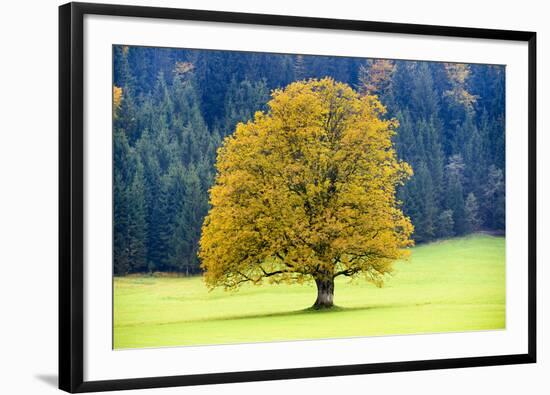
<point>173,107</point>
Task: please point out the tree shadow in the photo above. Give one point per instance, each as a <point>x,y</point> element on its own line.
<point>310,310</point>
<point>50,379</point>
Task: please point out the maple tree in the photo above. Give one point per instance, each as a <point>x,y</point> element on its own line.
<point>306,190</point>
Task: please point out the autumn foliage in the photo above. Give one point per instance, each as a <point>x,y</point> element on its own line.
<point>375,77</point>
<point>117,98</point>
<point>458,74</point>
<point>307,190</point>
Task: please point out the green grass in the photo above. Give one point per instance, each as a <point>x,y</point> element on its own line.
<point>452,285</point>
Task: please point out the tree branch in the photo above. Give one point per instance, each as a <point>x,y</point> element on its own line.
<point>282,258</point>
<point>246,278</point>
<point>269,274</point>
<point>347,272</point>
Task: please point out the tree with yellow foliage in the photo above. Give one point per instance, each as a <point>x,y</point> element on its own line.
<point>375,77</point>
<point>306,191</point>
<point>117,99</point>
<point>458,74</point>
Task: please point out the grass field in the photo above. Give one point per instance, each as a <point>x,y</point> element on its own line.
<point>452,285</point>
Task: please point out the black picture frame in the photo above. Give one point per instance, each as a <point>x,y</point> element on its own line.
<point>71,194</point>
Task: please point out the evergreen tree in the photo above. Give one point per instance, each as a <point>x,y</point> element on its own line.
<point>126,119</point>
<point>162,100</point>
<point>474,172</point>
<point>190,127</point>
<point>420,204</point>
<point>121,260</point>
<point>137,224</point>
<point>445,224</point>
<point>163,219</point>
<point>146,150</point>
<point>494,193</point>
<point>121,176</point>
<point>123,74</point>
<point>430,131</point>
<point>471,209</point>
<point>455,193</point>
<point>142,69</point>
<point>183,244</point>
<point>424,103</point>
<point>213,75</point>
<point>242,101</point>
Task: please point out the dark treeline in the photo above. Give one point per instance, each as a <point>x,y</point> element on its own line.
<point>173,107</point>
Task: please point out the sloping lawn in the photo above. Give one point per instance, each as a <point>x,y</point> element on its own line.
<point>452,285</point>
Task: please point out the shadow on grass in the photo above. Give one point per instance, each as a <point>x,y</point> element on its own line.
<point>310,310</point>
<point>307,311</point>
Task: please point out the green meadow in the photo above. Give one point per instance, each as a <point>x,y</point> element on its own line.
<point>452,285</point>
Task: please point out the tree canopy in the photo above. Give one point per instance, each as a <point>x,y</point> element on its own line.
<point>307,189</point>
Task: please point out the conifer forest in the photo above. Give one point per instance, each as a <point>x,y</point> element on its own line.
<point>172,109</point>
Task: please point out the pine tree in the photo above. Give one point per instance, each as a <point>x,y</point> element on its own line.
<point>455,193</point>
<point>121,176</point>
<point>405,140</point>
<point>471,209</point>
<point>189,126</point>
<point>243,99</point>
<point>424,102</point>
<point>418,143</point>
<point>163,221</point>
<point>146,150</point>
<point>124,76</point>
<point>162,100</point>
<point>445,224</point>
<point>126,115</point>
<point>434,155</point>
<point>475,162</point>
<point>121,263</point>
<point>137,224</point>
<point>143,68</point>
<point>495,197</point>
<point>183,245</point>
<point>421,193</point>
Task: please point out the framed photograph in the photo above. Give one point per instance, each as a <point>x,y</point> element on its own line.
<point>248,197</point>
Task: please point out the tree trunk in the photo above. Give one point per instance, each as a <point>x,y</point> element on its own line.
<point>325,293</point>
